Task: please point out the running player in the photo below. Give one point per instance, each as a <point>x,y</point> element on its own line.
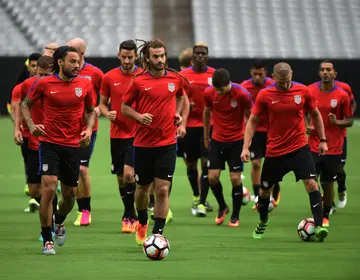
<point>229,104</point>
<point>284,104</point>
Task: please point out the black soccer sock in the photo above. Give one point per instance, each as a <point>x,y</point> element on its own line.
<point>316,207</point>
<point>263,207</point>
<point>217,190</point>
<point>38,199</point>
<point>204,184</point>
<point>142,216</point>
<point>122,192</point>
<point>54,203</point>
<point>341,177</point>
<point>237,195</point>
<point>46,234</point>
<point>276,191</point>
<point>86,203</point>
<point>326,210</point>
<point>59,219</point>
<point>159,226</point>
<point>129,200</point>
<point>256,189</point>
<point>79,203</point>
<point>193,179</point>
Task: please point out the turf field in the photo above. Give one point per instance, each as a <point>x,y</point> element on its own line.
<point>199,248</point>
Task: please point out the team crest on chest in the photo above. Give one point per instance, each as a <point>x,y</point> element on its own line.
<point>210,81</point>
<point>297,99</point>
<point>234,103</point>
<point>78,91</point>
<point>333,103</point>
<point>171,87</point>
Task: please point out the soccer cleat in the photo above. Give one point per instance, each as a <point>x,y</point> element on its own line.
<point>60,234</point>
<point>169,216</point>
<point>321,233</point>
<point>221,216</point>
<point>49,248</point>
<point>140,235</point>
<point>259,231</point>
<point>208,207</point>
<point>234,222</point>
<point>194,205</point>
<point>85,218</point>
<point>277,201</point>
<point>26,190</point>
<point>342,199</point>
<point>78,219</point>
<point>325,222</point>
<point>134,224</point>
<point>201,210</point>
<point>33,205</point>
<point>126,226</point>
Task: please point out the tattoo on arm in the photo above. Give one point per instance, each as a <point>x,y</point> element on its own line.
<point>25,108</point>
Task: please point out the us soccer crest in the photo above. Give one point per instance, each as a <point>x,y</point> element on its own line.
<point>171,87</point>
<point>234,103</point>
<point>210,81</point>
<point>297,99</point>
<point>333,103</point>
<point>78,91</point>
<point>45,167</point>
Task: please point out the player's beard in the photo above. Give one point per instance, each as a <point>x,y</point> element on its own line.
<point>127,66</point>
<point>70,73</point>
<point>157,67</point>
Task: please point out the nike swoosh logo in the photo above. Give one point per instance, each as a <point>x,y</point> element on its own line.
<point>52,92</point>
<point>146,89</point>
<point>315,205</point>
<point>116,84</point>
<point>82,161</point>
<point>273,102</point>
<point>236,167</point>
<point>129,192</point>
<point>215,102</point>
<point>169,176</point>
<point>237,193</point>
<point>190,82</point>
<point>312,175</point>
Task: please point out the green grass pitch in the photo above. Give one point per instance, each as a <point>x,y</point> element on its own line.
<point>199,248</point>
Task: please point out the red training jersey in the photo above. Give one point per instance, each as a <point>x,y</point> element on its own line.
<point>284,111</point>
<point>198,82</point>
<point>337,102</point>
<point>63,107</point>
<point>156,96</point>
<point>254,91</point>
<point>95,75</point>
<point>114,85</point>
<point>228,112</point>
<point>15,97</point>
<point>345,87</point>
<point>36,110</point>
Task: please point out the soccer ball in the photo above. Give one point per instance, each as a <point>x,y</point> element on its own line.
<point>272,204</point>
<point>306,230</point>
<point>246,196</point>
<point>156,247</point>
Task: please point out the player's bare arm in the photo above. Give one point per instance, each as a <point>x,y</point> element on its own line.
<point>13,111</point>
<point>35,129</point>
<point>181,131</point>
<point>179,109</point>
<point>346,122</point>
<point>90,121</point>
<point>17,123</point>
<point>319,127</point>
<point>128,111</point>
<point>206,122</point>
<point>249,133</point>
<point>110,115</point>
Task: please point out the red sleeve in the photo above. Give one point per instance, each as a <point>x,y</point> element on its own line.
<point>105,89</point>
<point>346,107</point>
<point>35,91</point>
<point>99,78</point>
<point>260,104</point>
<point>248,103</point>
<point>207,97</point>
<point>348,90</point>
<point>23,92</point>
<point>89,98</point>
<point>131,94</point>
<point>310,103</point>
<point>15,94</point>
<point>180,91</point>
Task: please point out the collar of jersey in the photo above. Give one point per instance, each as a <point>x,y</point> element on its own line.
<point>57,76</point>
<point>335,87</point>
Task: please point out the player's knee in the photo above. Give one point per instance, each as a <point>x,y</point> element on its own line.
<point>35,190</point>
<point>120,179</point>
<point>311,185</point>
<point>129,177</point>
<point>68,192</point>
<point>84,171</point>
<point>213,178</point>
<point>265,192</point>
<point>49,182</point>
<point>191,164</point>
<point>256,164</point>
<point>235,178</point>
<point>162,191</point>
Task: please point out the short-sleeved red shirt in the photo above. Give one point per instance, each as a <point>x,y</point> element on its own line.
<point>15,96</point>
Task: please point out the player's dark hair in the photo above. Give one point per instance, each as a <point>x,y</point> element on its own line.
<point>45,62</point>
<point>61,53</point>
<point>258,64</point>
<point>144,55</point>
<point>34,57</point>
<point>201,45</point>
<point>128,45</point>
<point>327,61</point>
<point>220,78</point>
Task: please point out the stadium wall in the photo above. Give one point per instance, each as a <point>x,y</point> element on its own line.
<point>305,71</point>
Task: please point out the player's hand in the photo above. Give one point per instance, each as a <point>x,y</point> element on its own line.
<point>37,130</point>
<point>111,115</point>
<point>18,138</point>
<point>323,148</point>
<point>146,119</point>
<point>85,138</point>
<point>206,143</point>
<point>178,119</point>
<point>192,105</point>
<point>309,129</point>
<point>97,111</point>
<point>332,118</point>
<point>181,131</point>
<point>245,155</point>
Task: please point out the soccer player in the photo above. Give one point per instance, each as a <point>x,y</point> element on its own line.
<point>199,77</point>
<point>254,85</point>
<point>44,67</point>
<point>158,93</point>
<point>64,97</point>
<point>122,129</point>
<point>229,104</point>
<point>83,192</point>
<point>185,58</point>
<point>334,106</point>
<point>287,150</point>
<point>31,68</point>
